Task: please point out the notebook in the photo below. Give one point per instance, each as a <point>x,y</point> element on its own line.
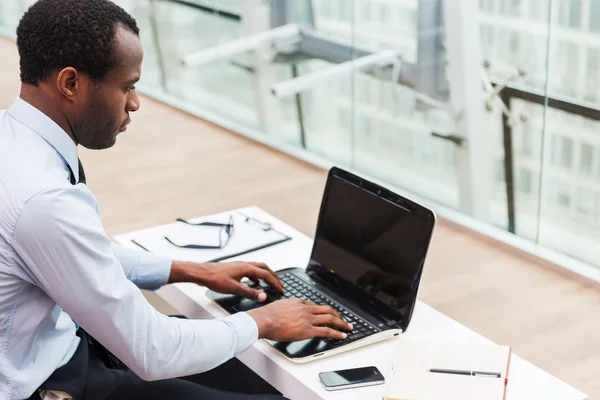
<point>412,380</point>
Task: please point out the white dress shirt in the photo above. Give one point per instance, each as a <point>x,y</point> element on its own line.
<point>58,266</point>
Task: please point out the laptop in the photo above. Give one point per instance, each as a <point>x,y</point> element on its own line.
<point>366,262</point>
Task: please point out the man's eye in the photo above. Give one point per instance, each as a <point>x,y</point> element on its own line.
<point>129,89</point>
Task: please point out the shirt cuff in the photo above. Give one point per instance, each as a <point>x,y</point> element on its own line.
<point>245,328</point>
<point>147,270</point>
<point>153,271</point>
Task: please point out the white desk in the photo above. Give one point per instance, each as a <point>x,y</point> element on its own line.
<point>300,381</point>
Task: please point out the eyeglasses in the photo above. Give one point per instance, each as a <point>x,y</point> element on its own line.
<point>227,229</point>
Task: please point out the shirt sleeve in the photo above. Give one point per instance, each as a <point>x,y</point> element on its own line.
<point>63,247</point>
<point>146,270</point>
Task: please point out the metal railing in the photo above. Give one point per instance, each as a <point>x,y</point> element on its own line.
<point>538,97</point>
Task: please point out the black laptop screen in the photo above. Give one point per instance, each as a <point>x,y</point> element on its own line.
<point>371,245</point>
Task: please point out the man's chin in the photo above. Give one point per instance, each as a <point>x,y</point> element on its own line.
<point>107,144</point>
<point>112,142</point>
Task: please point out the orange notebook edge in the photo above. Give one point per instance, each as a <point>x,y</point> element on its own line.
<point>506,373</point>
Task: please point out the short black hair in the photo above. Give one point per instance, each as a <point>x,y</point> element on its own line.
<point>55,34</point>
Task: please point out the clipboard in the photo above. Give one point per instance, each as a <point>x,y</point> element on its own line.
<point>249,235</point>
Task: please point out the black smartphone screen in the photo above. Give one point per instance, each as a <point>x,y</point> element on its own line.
<point>351,376</point>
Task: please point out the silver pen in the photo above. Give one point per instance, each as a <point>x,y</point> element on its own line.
<point>466,372</point>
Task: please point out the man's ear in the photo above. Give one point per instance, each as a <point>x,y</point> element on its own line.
<point>68,83</point>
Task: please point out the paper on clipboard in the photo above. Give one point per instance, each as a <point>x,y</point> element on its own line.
<point>247,236</point>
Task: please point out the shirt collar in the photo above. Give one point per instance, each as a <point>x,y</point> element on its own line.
<point>49,130</point>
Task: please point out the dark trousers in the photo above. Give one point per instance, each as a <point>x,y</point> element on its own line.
<point>95,374</point>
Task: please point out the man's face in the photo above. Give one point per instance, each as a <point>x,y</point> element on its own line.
<point>104,110</point>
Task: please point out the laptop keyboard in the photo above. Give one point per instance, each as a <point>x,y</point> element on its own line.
<point>297,288</point>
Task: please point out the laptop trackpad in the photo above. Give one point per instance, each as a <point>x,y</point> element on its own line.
<point>301,349</point>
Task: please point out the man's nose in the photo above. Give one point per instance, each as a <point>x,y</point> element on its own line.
<point>133,104</point>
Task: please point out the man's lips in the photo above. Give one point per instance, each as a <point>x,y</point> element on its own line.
<point>123,127</point>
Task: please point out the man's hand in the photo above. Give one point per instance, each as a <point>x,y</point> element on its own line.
<point>225,277</point>
<point>295,319</point>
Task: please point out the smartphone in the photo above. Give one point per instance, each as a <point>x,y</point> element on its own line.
<point>351,378</point>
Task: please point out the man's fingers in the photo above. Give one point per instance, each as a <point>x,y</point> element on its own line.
<point>266,268</point>
<point>249,293</point>
<point>330,316</point>
<point>325,310</point>
<point>254,280</point>
<point>268,277</point>
<point>331,321</point>
<point>322,331</point>
<point>263,266</point>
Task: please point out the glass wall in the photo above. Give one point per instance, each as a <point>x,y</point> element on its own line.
<point>570,202</point>
<point>486,107</point>
<point>554,47</point>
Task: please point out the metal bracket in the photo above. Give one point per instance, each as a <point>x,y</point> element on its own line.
<point>493,93</point>
<point>278,38</point>
<point>307,82</point>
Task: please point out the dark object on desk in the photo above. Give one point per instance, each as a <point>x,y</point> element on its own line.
<point>366,263</point>
<point>464,372</point>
